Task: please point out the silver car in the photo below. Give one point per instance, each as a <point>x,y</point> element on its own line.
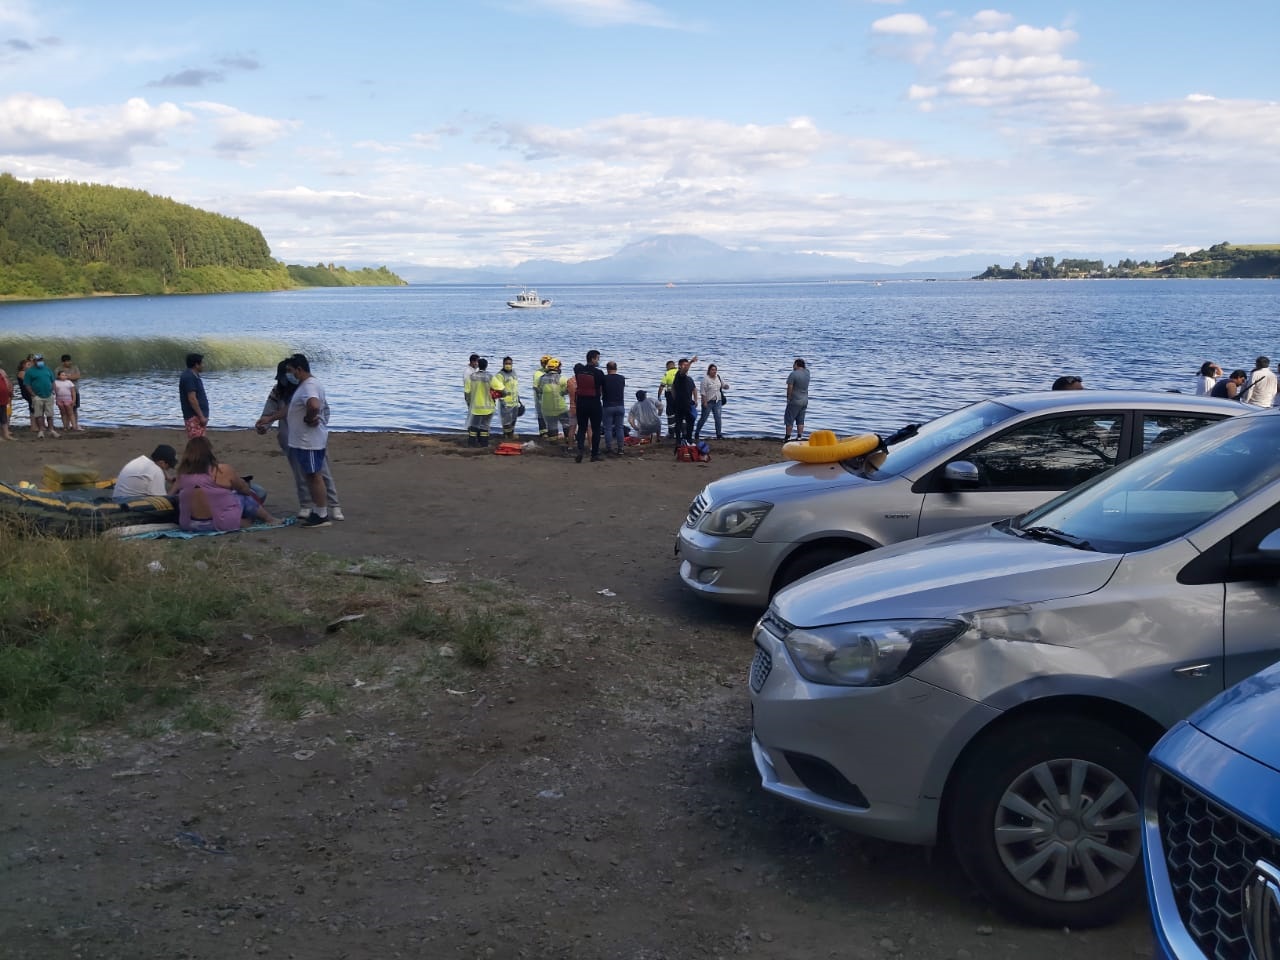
<point>1000,685</point>
<point>750,534</point>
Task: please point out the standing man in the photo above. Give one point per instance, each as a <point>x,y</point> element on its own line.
<point>195,405</point>
<point>684,398</point>
<point>615,408</point>
<point>507,384</point>
<point>39,380</point>
<point>537,386</point>
<point>480,406</point>
<point>1261,391</point>
<point>797,400</point>
<point>308,420</point>
<point>590,393</point>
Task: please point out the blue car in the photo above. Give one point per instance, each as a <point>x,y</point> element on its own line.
<point>1211,835</point>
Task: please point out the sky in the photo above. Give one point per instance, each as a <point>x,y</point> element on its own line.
<point>488,132</point>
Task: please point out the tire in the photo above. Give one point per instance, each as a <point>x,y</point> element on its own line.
<point>806,561</point>
<point>1078,855</point>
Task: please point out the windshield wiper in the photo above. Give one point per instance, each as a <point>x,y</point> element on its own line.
<point>1054,535</point>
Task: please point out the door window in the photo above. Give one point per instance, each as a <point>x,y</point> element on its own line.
<point>1158,428</point>
<point>1051,454</point>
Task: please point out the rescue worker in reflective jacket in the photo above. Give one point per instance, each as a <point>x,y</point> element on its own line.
<point>552,400</point>
<point>507,386</point>
<point>479,404</point>
<point>537,378</point>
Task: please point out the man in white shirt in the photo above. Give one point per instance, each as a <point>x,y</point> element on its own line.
<point>145,476</point>
<point>1262,384</point>
<point>308,419</point>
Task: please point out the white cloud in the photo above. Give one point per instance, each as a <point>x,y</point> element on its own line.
<point>713,145</point>
<point>903,25</point>
<point>990,19</point>
<point>18,13</point>
<point>240,132</point>
<point>1022,40</point>
<point>33,126</point>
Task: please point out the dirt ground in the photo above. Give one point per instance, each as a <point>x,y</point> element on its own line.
<point>594,797</point>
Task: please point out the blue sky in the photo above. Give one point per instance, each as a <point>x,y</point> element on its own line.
<point>484,132</point>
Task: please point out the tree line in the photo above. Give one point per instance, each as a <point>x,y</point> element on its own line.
<point>1220,260</point>
<point>60,238</point>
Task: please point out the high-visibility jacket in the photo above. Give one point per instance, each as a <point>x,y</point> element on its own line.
<point>509,384</point>
<point>479,400</point>
<point>551,396</point>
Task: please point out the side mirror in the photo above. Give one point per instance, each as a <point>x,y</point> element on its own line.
<point>962,473</point>
<point>1262,563</point>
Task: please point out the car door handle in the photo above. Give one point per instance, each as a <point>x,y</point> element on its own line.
<point>1195,670</point>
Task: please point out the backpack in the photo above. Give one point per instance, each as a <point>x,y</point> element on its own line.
<point>698,452</point>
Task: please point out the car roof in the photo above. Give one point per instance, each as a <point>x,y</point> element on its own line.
<point>1050,400</point>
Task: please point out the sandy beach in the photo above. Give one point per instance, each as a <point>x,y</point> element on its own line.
<point>538,519</point>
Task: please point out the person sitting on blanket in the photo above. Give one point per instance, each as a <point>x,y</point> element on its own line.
<point>212,496</point>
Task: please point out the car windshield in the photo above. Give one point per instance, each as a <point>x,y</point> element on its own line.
<point>1165,493</point>
<point>951,428</point>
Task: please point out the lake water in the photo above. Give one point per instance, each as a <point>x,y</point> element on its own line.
<point>880,354</point>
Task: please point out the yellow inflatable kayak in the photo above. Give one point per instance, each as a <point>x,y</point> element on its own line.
<point>823,447</point>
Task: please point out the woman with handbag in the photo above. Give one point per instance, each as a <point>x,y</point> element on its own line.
<point>715,393</point>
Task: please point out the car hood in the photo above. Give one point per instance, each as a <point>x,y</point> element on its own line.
<point>1244,717</point>
<point>777,480</point>
<point>976,568</point>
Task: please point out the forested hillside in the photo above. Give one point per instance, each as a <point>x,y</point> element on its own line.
<point>1221,260</point>
<point>77,239</point>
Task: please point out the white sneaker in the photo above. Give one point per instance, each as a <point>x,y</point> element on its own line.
<point>336,513</point>
<point>40,435</point>
<point>55,434</point>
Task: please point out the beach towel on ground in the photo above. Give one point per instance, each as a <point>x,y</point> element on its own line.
<point>174,532</point>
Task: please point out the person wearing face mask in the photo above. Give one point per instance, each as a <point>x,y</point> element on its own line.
<point>507,387</point>
<point>276,410</point>
<point>39,380</point>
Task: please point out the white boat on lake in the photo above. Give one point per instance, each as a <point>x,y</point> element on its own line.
<point>528,299</point>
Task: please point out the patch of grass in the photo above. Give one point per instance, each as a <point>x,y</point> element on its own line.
<point>477,640</point>
<point>92,632</point>
<point>204,716</point>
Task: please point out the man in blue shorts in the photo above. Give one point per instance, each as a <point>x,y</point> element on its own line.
<point>308,419</point>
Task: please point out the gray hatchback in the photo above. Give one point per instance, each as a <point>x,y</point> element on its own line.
<point>1000,685</point>
<point>749,534</point>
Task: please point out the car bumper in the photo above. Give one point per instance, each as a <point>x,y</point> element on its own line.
<point>729,569</point>
<point>870,759</point>
<point>1209,814</point>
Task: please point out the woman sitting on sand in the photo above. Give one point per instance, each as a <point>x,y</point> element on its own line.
<point>211,495</point>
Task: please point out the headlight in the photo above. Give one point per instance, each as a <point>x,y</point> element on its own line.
<point>868,654</point>
<point>737,519</point>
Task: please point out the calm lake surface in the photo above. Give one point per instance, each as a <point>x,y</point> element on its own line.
<point>880,354</point>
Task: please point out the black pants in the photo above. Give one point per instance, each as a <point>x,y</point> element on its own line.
<point>590,412</point>
<point>682,432</point>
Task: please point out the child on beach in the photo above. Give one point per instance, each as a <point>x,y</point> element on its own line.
<point>64,394</point>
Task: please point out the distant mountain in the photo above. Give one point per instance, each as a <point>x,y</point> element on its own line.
<point>681,258</point>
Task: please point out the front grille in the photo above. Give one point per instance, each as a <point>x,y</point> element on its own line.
<point>761,664</point>
<point>696,509</point>
<point>1210,853</point>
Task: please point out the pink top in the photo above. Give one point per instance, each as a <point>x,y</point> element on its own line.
<point>64,391</point>
<point>224,505</point>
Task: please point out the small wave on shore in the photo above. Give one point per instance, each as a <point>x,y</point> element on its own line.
<point>118,356</point>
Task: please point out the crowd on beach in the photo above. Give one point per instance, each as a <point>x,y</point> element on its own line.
<point>592,403</point>
<point>583,411</point>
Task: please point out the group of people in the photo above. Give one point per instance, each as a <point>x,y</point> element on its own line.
<point>1257,388</point>
<point>592,403</point>
<point>212,495</point>
<point>44,388</point>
